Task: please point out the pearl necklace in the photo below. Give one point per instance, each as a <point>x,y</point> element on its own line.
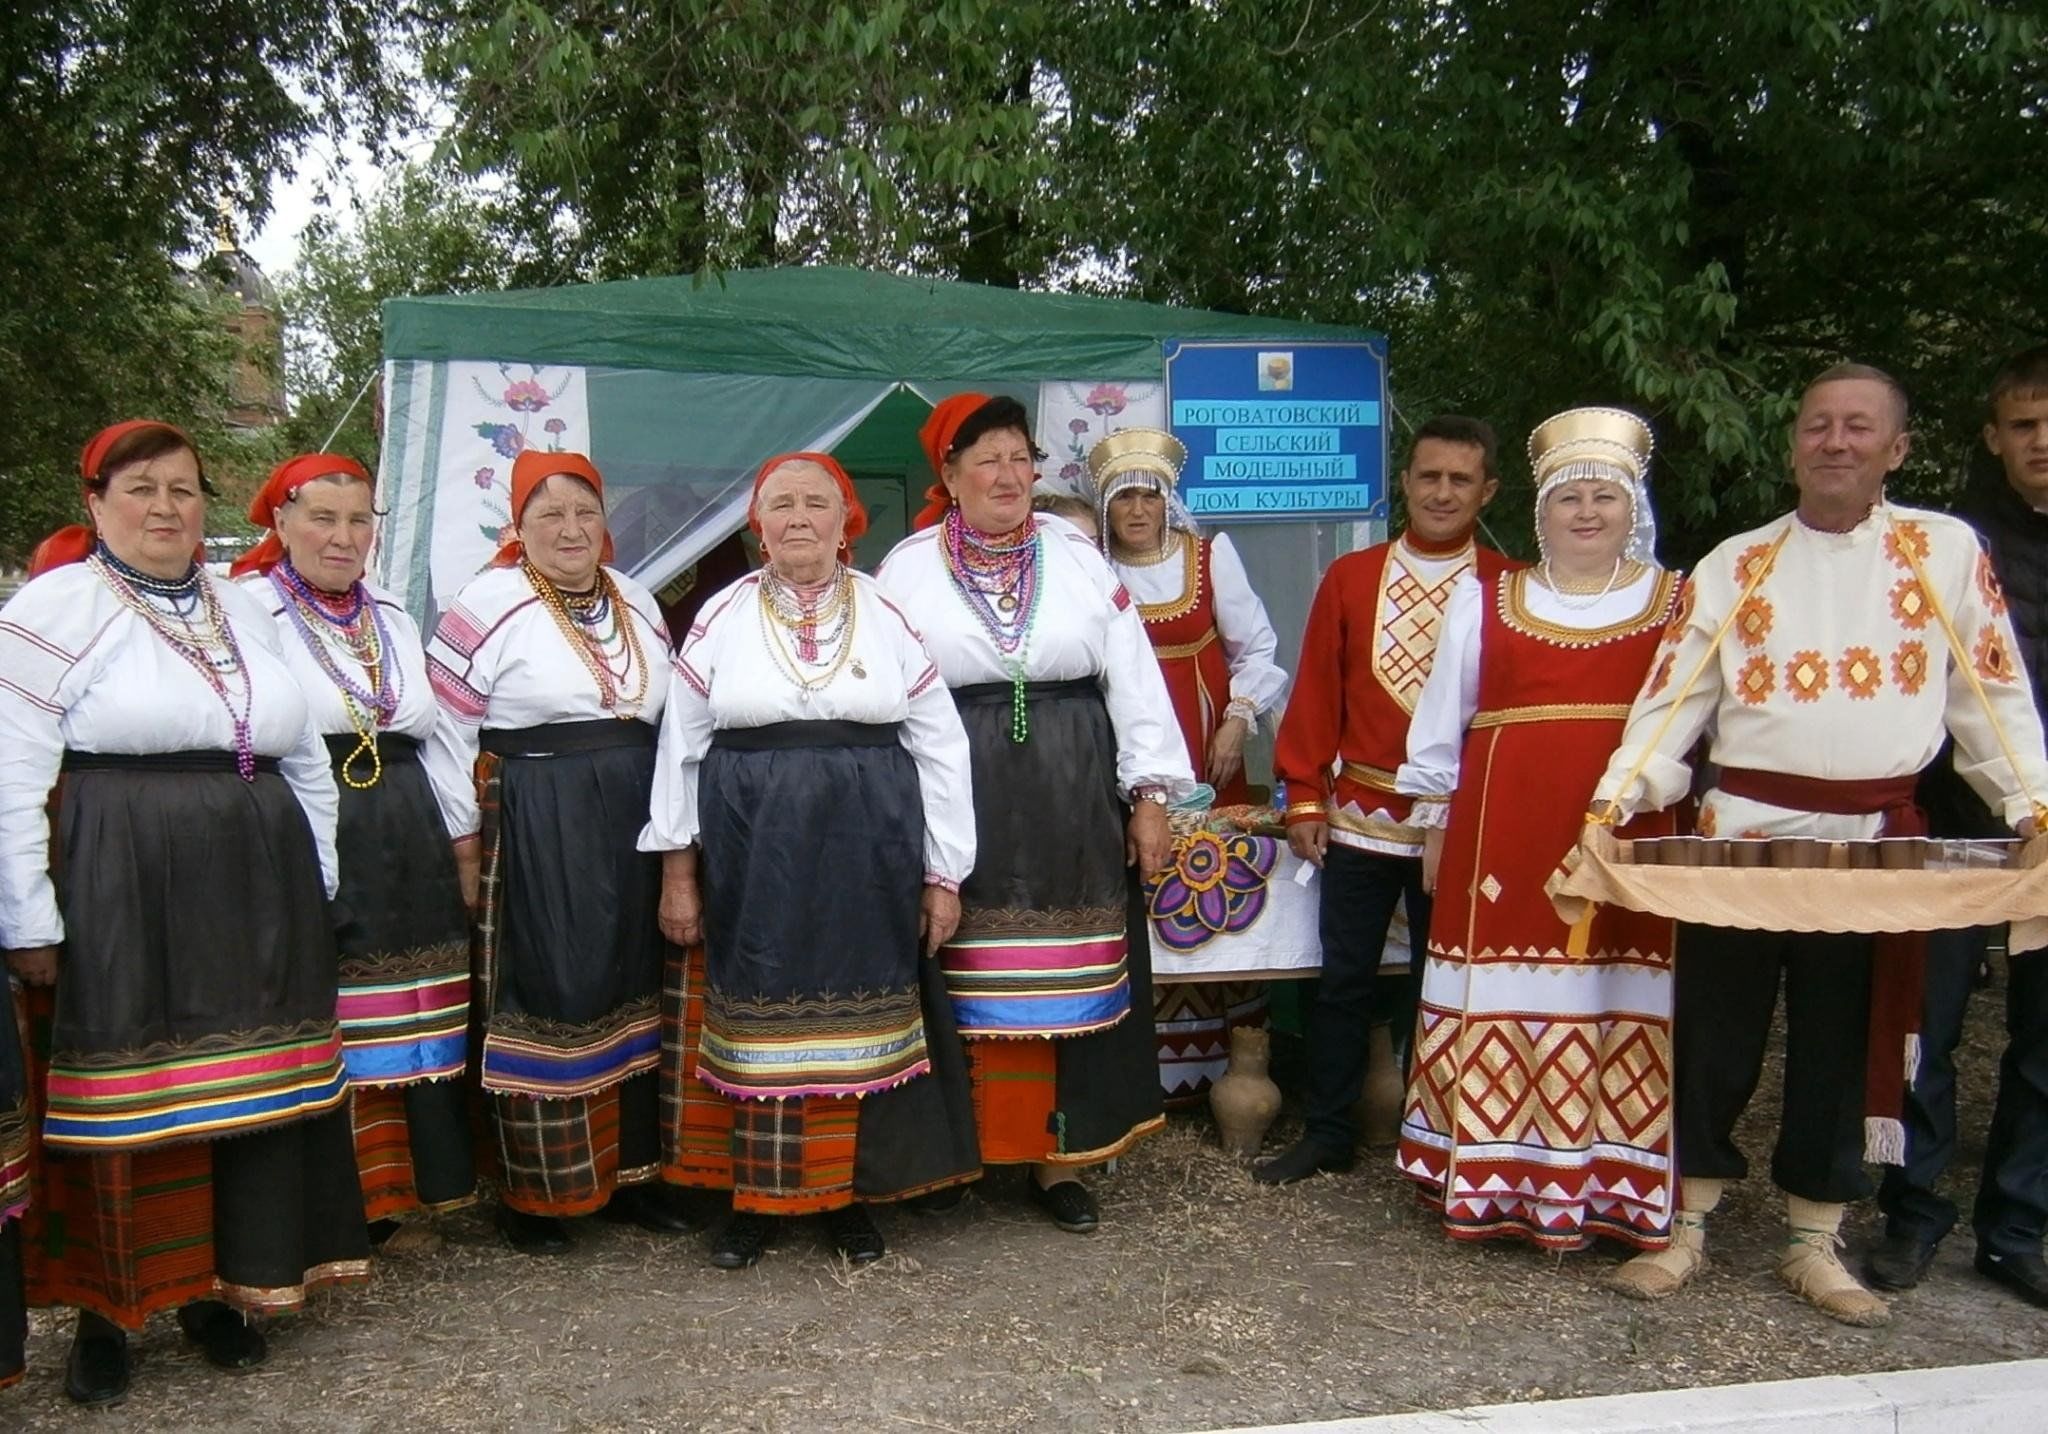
<point>1573,602</point>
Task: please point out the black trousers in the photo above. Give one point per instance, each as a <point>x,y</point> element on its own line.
<point>1360,889</point>
<point>2011,1214</point>
<point>1727,991</point>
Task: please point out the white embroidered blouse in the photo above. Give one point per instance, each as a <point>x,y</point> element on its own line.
<point>80,671</point>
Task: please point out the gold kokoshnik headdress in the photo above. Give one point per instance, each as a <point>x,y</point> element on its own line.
<point>1611,445</point>
<point>1139,458</point>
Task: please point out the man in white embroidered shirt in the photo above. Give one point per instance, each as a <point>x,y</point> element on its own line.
<point>1817,651</point>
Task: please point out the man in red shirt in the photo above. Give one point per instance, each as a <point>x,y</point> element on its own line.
<point>1371,638</point>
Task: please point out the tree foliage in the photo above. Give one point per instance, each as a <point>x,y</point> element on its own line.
<point>423,232</point>
<point>130,130</point>
<point>1684,209</point>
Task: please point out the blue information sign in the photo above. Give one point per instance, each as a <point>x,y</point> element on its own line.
<point>1282,429</point>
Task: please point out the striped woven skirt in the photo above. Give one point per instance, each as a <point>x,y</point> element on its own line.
<point>176,1022</point>
<point>404,1010</point>
<point>817,1024</point>
<point>1050,973</point>
<point>569,962</point>
<point>14,1158</point>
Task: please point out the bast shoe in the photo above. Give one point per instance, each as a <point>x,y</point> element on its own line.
<point>1811,1267</point>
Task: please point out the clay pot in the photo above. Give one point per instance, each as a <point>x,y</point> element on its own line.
<point>1378,1112</point>
<point>1244,1100</point>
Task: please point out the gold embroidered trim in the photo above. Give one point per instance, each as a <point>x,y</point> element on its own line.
<point>1001,922</point>
<point>1191,589</point>
<point>1552,712</point>
<point>1377,828</point>
<point>1514,611</point>
<point>1304,809</point>
<point>1378,778</point>
<point>216,1043</point>
<point>1404,684</point>
<point>1174,650</point>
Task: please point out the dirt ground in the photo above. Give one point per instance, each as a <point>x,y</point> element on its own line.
<point>1206,1301</point>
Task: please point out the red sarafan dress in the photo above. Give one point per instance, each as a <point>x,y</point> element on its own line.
<point>1189,643</point>
<point>1211,645</point>
<point>1539,1098</point>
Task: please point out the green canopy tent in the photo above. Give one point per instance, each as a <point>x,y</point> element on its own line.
<point>678,388</point>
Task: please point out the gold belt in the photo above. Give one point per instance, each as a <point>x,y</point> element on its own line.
<point>1184,649</point>
<point>1378,778</point>
<point>1553,712</point>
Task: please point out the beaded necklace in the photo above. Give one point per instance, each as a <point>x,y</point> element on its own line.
<point>210,650</point>
<point>818,615</point>
<point>786,607</point>
<point>351,623</point>
<point>998,578</point>
<point>577,616</point>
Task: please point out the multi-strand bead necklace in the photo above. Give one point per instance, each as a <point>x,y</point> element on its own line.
<point>346,635</point>
<point>186,614</point>
<point>810,628</point>
<point>998,578</point>
<point>598,626</point>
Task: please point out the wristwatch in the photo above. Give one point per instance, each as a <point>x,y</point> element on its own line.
<point>1149,794</point>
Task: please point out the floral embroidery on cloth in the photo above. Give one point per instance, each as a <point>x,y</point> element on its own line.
<point>1215,887</point>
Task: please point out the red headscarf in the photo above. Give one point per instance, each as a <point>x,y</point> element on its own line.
<point>73,543</point>
<point>286,479</point>
<point>856,514</point>
<point>534,467</point>
<point>936,438</point>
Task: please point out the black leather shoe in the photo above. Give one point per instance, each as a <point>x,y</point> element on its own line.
<point>938,1202</point>
<point>742,1241</point>
<point>1069,1203</point>
<point>854,1235</point>
<point>652,1207</point>
<point>96,1371</point>
<point>2025,1275</point>
<point>532,1234</point>
<point>1897,1262</point>
<point>225,1335</point>
<point>1301,1160</point>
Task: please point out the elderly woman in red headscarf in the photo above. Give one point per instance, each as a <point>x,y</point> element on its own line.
<point>1075,753</point>
<point>554,668</point>
<point>812,803</point>
<point>173,926</point>
<point>405,938</point>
